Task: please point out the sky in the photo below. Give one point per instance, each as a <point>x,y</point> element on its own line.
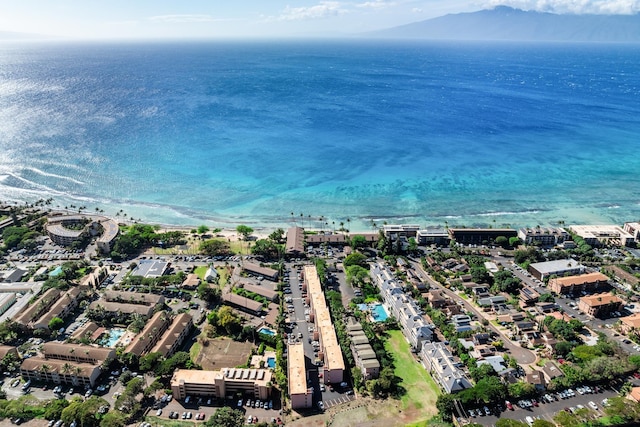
<point>153,19</point>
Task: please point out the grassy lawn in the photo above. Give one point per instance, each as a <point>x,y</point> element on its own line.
<point>421,390</point>
<point>201,271</point>
<point>195,350</point>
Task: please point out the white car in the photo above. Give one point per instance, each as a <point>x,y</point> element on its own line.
<point>593,405</point>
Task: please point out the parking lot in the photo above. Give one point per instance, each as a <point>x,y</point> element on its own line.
<point>544,410</point>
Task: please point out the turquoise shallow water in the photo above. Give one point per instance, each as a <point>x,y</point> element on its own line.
<point>228,133</point>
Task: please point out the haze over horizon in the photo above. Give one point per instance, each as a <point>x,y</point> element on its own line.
<point>164,19</point>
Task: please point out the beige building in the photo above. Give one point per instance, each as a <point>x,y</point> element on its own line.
<point>77,353</point>
<point>630,324</point>
<point>142,343</point>
<point>6,301</point>
<point>330,351</point>
<point>60,371</point>
<point>299,394</point>
<point>597,235</point>
<point>590,282</point>
<point>66,303</point>
<point>600,305</point>
<point>38,307</point>
<point>173,338</point>
<point>225,383</point>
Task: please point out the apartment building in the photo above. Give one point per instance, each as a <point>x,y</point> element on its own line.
<point>600,305</point>
<point>590,282</point>
<point>144,342</point>
<point>223,383</point>
<point>300,395</point>
<point>543,236</point>
<point>174,337</point>
<point>444,369</point>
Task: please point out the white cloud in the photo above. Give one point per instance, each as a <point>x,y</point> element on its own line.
<point>377,4</point>
<point>625,7</point>
<point>324,9</point>
<point>182,18</point>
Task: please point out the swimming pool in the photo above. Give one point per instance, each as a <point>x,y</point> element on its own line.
<point>266,331</point>
<point>378,312</point>
<point>109,339</point>
<point>271,362</point>
<point>56,272</point>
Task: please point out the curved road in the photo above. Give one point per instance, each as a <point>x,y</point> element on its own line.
<point>522,355</point>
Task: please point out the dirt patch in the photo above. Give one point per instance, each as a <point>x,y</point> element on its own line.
<point>220,353</point>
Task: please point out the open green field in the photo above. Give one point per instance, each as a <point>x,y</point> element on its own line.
<point>200,271</point>
<point>421,390</point>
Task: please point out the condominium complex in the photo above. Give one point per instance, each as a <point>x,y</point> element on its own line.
<point>600,305</point>
<point>223,383</point>
<point>330,352</point>
<point>301,396</point>
<point>590,282</point>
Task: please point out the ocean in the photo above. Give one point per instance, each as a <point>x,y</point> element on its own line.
<point>319,133</point>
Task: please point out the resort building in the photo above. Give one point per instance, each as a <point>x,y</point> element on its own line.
<point>142,343</point>
<point>598,235</point>
<point>600,305</point>
<point>122,308</point>
<point>6,301</point>
<point>414,327</point>
<point>330,352</point>
<point>448,373</point>
<point>632,228</point>
<point>437,236</point>
<point>38,307</point>
<point>77,353</point>
<point>242,303</point>
<point>301,396</point>
<point>175,336</point>
<point>403,230</point>
<point>224,383</point>
<point>294,247</point>
<point>256,269</point>
<point>543,236</point>
<point>60,371</point>
<point>480,236</point>
<point>590,282</point>
<point>64,306</point>
<point>64,230</point>
<point>560,267</point>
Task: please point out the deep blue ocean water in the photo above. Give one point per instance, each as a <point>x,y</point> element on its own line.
<point>247,132</point>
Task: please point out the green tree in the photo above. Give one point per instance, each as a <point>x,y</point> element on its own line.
<point>356,258</point>
<point>203,229</point>
<point>547,297</point>
<point>502,241</point>
<point>226,417</point>
<point>150,361</point>
<point>114,419</point>
<point>356,275</point>
<point>245,231</point>
<point>358,241</point>
<point>210,294</point>
<point>267,248</point>
<point>55,324</point>
<point>542,423</point>
<point>514,241</point>
<point>446,405</point>
<point>53,409</point>
<point>214,247</point>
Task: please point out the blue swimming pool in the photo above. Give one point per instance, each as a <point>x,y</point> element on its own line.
<point>271,362</point>
<point>267,331</point>
<point>56,272</point>
<point>378,312</point>
<point>109,339</point>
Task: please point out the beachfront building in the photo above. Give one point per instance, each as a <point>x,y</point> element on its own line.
<point>543,236</point>
<point>394,231</point>
<point>437,236</point>
<point>480,236</point>
<point>598,235</point>
<point>444,369</point>
<point>294,247</point>
<point>600,305</point>
<point>632,228</point>
<point>559,267</point>
<point>65,230</point>
<point>330,353</point>
<point>300,394</point>
<point>590,282</point>
<point>223,383</point>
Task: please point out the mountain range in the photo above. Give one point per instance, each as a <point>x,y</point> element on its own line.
<point>506,23</point>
